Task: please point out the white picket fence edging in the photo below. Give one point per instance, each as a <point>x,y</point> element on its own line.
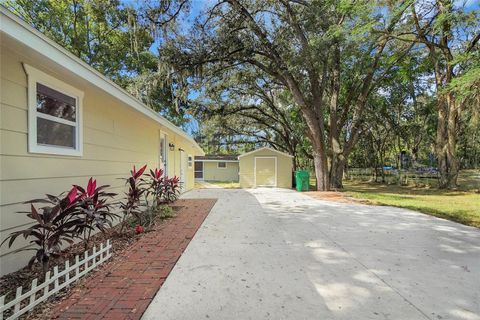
<point>59,280</point>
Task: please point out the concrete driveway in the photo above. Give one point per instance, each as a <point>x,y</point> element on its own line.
<point>279,254</point>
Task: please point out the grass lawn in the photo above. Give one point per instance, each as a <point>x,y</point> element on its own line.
<point>459,206</point>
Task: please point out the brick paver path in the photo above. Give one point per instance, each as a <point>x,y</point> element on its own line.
<point>124,289</point>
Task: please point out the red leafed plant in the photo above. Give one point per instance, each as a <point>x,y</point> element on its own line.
<point>63,218</point>
<point>172,189</point>
<point>139,229</point>
<point>155,187</point>
<point>163,189</point>
<point>94,209</point>
<point>55,223</point>
<point>130,205</point>
<point>137,174</point>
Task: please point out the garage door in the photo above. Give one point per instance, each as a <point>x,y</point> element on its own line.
<point>266,171</point>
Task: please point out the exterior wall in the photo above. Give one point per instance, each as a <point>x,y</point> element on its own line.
<point>174,158</point>
<point>115,137</point>
<point>211,172</point>
<point>284,168</point>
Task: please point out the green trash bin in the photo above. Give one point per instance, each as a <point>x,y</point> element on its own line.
<point>302,179</point>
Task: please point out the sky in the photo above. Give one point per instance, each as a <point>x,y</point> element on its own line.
<point>198,6</point>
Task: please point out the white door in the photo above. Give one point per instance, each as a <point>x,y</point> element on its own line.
<point>265,171</point>
<point>163,159</point>
<point>183,169</point>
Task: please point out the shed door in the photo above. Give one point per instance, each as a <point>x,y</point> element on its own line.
<point>265,171</point>
<point>199,170</point>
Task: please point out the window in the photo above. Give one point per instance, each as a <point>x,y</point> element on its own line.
<point>222,164</point>
<point>54,115</point>
<point>190,161</point>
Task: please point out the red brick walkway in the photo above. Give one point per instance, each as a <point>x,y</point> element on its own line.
<point>124,289</point>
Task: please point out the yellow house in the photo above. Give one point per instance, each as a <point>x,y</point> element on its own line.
<point>265,167</point>
<point>62,122</point>
<point>217,168</point>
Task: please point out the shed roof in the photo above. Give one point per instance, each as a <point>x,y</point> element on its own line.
<point>265,148</point>
<point>218,157</point>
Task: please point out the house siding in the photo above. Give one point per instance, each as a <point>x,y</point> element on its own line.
<point>115,137</point>
<point>211,172</point>
<point>284,168</point>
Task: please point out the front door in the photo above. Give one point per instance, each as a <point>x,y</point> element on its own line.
<point>163,159</point>
<point>265,171</point>
<point>199,170</point>
<point>183,169</point>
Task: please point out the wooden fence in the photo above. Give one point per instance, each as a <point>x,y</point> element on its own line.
<point>24,302</point>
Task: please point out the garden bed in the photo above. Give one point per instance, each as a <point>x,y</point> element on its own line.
<point>77,214</point>
<point>124,288</point>
<point>121,241</point>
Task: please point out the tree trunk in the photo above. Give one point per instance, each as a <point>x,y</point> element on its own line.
<point>382,165</point>
<point>321,170</point>
<point>336,171</point>
<point>414,151</point>
<point>446,142</point>
<point>316,134</point>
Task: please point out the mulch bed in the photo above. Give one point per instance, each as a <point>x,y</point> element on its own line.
<point>122,287</point>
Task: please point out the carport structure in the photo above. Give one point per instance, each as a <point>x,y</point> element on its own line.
<point>265,167</point>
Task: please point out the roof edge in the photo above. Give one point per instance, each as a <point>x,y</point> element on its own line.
<point>263,148</point>
<point>22,32</point>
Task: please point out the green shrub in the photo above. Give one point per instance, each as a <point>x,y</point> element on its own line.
<point>166,212</point>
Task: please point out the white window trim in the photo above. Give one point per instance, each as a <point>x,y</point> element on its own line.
<point>36,76</point>
<point>218,165</point>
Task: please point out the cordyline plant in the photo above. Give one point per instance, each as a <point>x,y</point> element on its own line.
<point>154,186</point>
<point>94,209</point>
<point>130,205</point>
<point>163,189</point>
<point>56,223</point>
<point>172,188</point>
